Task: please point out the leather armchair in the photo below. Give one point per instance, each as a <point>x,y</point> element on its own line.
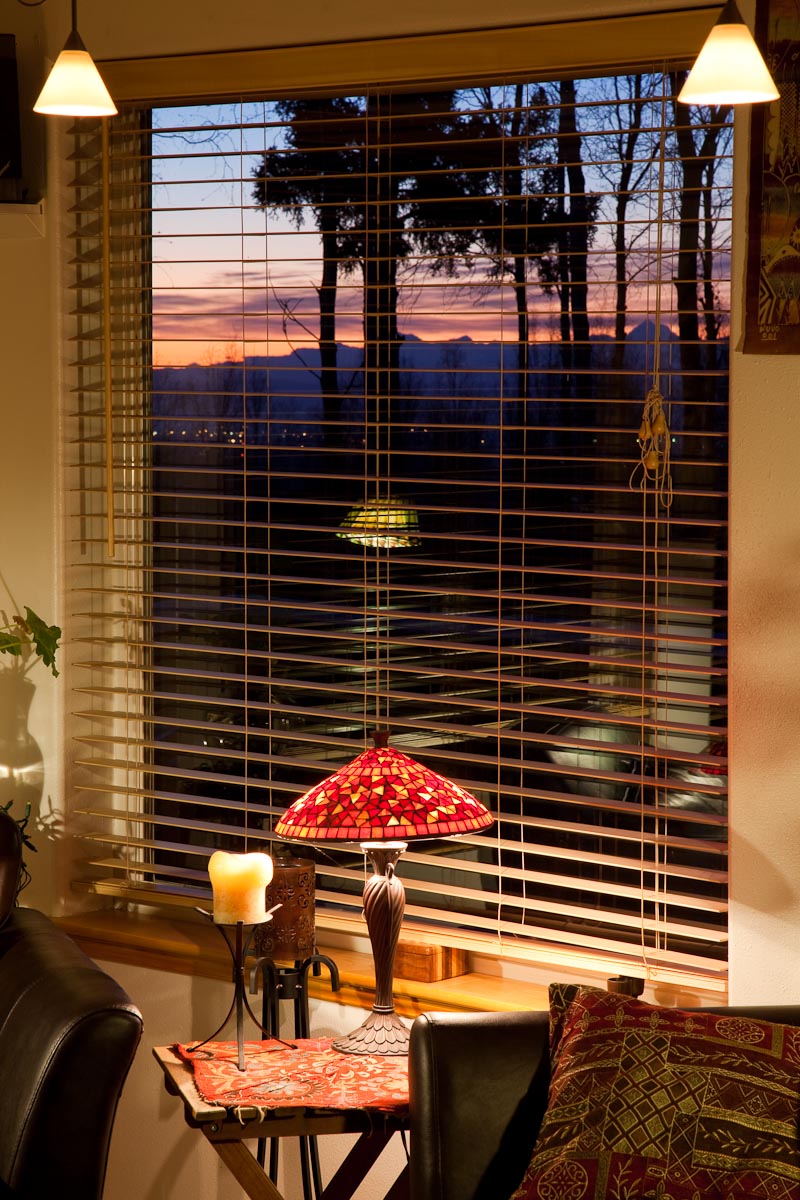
<point>478,1091</point>
<point>68,1034</point>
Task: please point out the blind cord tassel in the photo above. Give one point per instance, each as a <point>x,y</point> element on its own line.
<point>654,450</point>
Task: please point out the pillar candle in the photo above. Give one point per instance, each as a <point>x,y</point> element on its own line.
<point>239,883</point>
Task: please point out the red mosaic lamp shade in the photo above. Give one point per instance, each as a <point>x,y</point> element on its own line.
<point>382,799</point>
<point>383,795</point>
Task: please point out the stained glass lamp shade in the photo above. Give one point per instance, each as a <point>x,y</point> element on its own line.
<point>382,799</point>
<point>387,523</point>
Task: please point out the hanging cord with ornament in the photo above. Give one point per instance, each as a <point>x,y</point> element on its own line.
<point>652,477</point>
<point>653,467</point>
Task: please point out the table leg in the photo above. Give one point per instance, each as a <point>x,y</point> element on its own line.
<point>250,1175</point>
<point>400,1188</point>
<point>352,1172</point>
<point>246,1171</point>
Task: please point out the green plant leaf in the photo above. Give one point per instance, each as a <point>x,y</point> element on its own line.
<point>45,638</point>
<point>10,643</point>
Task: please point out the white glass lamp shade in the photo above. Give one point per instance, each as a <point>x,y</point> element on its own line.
<point>74,87</point>
<point>729,68</point>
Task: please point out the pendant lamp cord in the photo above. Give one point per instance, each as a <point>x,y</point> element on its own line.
<point>108,364</point>
<point>245,484</point>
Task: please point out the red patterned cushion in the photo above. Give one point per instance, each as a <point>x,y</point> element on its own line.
<point>652,1103</point>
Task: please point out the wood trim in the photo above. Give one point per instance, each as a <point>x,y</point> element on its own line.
<point>532,51</point>
<point>563,962</point>
<point>189,947</point>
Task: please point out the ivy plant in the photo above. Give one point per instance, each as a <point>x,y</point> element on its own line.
<point>29,638</point>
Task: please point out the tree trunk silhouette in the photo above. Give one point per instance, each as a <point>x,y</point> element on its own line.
<point>523,326</point>
<point>697,161</point>
<point>516,243</point>
<point>711,318</point>
<point>695,291</point>
<point>329,375</point>
<point>627,145</point>
<point>686,279</point>
<point>569,142</point>
<point>315,172</point>
<point>562,277</point>
<point>382,249</point>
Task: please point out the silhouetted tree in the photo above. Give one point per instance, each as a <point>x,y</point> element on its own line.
<point>698,133</point>
<point>575,214</point>
<point>503,151</point>
<point>378,177</point>
<point>321,170</point>
<point>623,159</point>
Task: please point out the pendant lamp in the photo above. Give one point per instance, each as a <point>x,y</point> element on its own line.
<point>382,799</point>
<point>74,87</point>
<point>729,68</point>
<point>389,523</point>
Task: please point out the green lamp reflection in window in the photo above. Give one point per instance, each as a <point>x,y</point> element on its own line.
<point>386,523</point>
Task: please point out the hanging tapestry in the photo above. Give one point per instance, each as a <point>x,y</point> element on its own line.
<point>772,299</point>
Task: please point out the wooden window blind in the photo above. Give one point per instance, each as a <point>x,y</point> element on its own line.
<point>451,304</point>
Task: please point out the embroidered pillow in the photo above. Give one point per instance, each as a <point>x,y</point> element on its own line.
<point>651,1103</point>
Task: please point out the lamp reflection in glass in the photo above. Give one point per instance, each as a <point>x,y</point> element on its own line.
<point>74,87</point>
<point>729,68</point>
<point>386,522</point>
<point>382,799</point>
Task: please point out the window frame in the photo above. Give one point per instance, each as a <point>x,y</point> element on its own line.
<point>137,76</point>
<point>593,46</point>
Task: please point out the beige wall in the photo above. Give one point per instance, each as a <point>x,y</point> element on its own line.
<point>29,486</point>
<point>118,30</point>
<point>765,529</point>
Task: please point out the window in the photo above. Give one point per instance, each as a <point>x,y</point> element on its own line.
<point>445,306</point>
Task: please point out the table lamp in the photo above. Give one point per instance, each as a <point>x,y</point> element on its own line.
<point>381,800</point>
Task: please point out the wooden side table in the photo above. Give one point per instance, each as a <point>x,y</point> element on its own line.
<point>228,1129</point>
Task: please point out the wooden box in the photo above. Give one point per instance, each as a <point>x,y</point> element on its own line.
<point>428,964</point>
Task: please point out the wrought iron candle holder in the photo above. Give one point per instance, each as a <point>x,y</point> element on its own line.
<point>239,945</point>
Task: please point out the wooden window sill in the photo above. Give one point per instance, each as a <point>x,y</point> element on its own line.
<point>188,947</point>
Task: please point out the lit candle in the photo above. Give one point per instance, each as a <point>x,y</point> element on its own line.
<point>239,884</point>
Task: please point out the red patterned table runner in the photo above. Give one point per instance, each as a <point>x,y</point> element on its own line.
<point>312,1076</point>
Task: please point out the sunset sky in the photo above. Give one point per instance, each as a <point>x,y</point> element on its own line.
<point>231,281</point>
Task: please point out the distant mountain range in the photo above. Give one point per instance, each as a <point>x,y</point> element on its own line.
<point>435,377</point>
